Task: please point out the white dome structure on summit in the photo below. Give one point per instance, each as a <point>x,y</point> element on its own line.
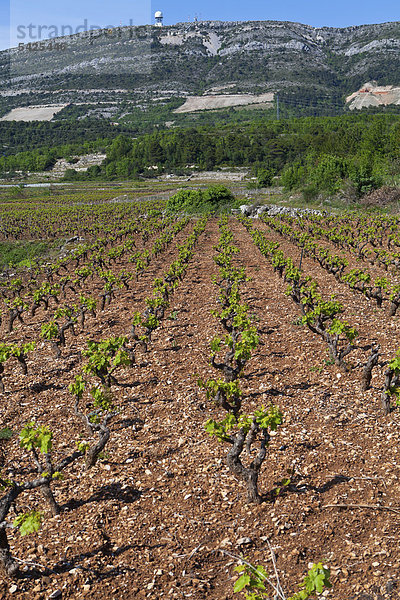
<point>159,18</point>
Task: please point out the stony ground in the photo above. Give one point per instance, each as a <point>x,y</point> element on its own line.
<point>160,516</point>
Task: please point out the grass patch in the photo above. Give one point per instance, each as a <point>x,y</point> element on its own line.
<point>23,252</point>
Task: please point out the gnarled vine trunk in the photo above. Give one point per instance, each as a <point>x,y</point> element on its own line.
<point>367,371</point>
<point>249,475</point>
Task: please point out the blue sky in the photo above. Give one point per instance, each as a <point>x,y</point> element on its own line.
<point>86,13</point>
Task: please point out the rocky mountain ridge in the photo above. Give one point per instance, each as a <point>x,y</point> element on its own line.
<point>144,64</point>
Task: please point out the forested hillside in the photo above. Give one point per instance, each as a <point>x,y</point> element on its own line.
<point>313,154</point>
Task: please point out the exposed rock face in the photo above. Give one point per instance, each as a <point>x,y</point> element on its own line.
<point>147,63</point>
<point>33,113</point>
<point>370,94</point>
<point>194,103</point>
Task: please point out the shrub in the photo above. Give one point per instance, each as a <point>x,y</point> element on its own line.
<point>310,193</point>
<point>293,176</point>
<point>192,201</point>
<point>328,173</point>
<point>365,180</point>
<point>265,177</point>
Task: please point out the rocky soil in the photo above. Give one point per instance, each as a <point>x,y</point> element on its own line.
<point>160,515</point>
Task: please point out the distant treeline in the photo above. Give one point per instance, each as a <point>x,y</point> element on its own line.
<point>44,159</point>
<point>312,153</point>
<point>20,136</point>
